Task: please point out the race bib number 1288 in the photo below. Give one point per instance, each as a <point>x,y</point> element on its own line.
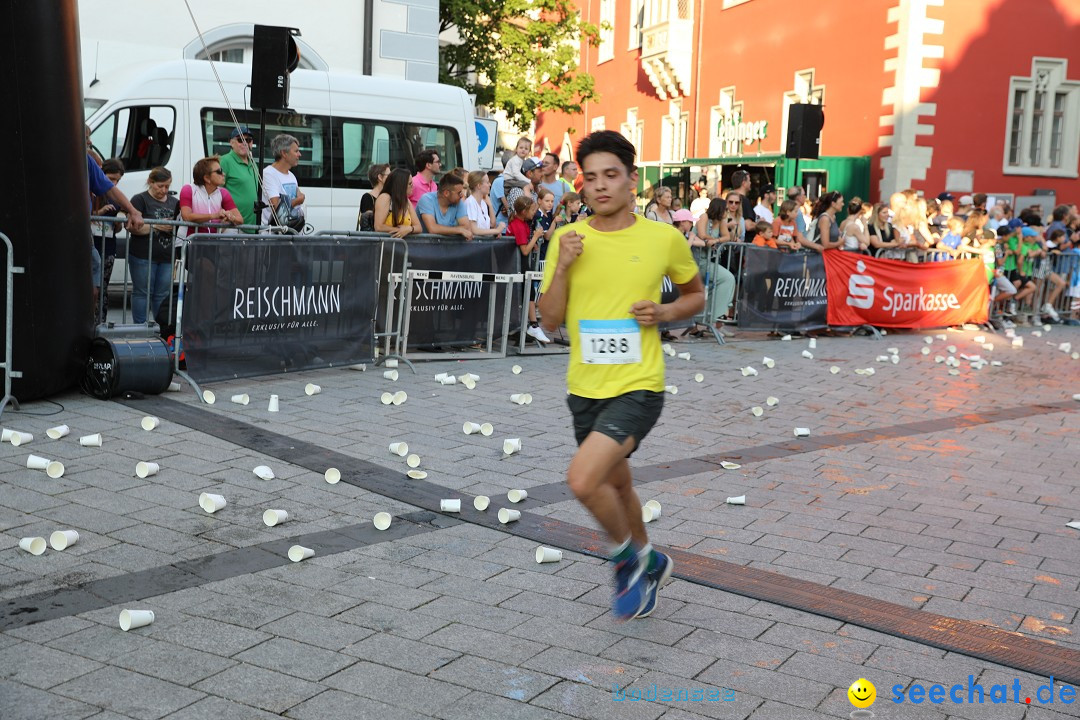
<point>610,342</point>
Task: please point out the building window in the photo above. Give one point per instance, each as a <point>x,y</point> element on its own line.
<point>606,51</point>
<point>633,130</point>
<point>673,133</point>
<point>1043,117</point>
<point>637,23</point>
<point>728,110</point>
<point>597,124</point>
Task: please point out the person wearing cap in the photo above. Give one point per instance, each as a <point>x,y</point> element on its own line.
<point>1025,285</point>
<point>963,206</point>
<point>241,175</point>
<point>531,170</point>
<point>764,209</point>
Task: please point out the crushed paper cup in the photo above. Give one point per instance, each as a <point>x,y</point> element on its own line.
<point>942,338</point>
<point>312,389</point>
<point>91,440</point>
<point>274,405</point>
<point>1018,341</point>
<point>240,399</point>
<point>882,358</point>
<point>21,438</point>
<point>979,339</point>
<point>1065,347</point>
<point>275,517</point>
<point>63,539</point>
<point>729,465</point>
<point>939,358</point>
<point>416,474</point>
<point>332,475</point>
<point>391,363</point>
<point>548,555</point>
<point>864,371</point>
<point>757,410</point>
<point>511,446</point>
<point>33,545</point>
<point>768,362</point>
<point>925,351</point>
<point>390,375</point>
<point>812,344</point>
<point>382,520</point>
<point>174,387</point>
<point>470,428</point>
<point>450,505</point>
<point>749,371</point>
<point>988,346</point>
<point>740,500</point>
<point>516,496</point>
<point>684,356</point>
<point>209,397</point>
<point>808,355</point>
<point>516,369</point>
<point>506,515</point>
<point>211,502</point>
<point>55,433</point>
<point>146,469</point>
<point>954,371</point>
<point>772,401</point>
<point>951,349</point>
<point>895,359</point>
<point>699,378</point>
<point>36,462</point>
<point>671,389</point>
<point>1036,333</point>
<point>786,337</point>
<point>481,502</point>
<point>399,397</point>
<point>928,340</point>
<point>1075,525</point>
<point>264,472</point>
<point>487,429</point>
<point>996,363</point>
<point>668,350</point>
<point>834,369</point>
<point>131,619</point>
<point>399,448</point>
<point>469,383</point>
<point>386,398</point>
<point>413,461</point>
<point>299,552</point>
<point>802,432</point>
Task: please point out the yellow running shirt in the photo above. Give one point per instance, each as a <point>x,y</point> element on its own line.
<point>614,271</point>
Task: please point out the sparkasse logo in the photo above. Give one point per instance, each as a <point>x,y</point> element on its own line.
<point>860,288</point>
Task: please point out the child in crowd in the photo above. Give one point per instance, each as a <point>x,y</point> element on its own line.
<point>785,228</point>
<point>951,241</point>
<point>764,235</point>
<point>544,218</point>
<point>512,175</point>
<point>570,209</point>
<point>528,238</point>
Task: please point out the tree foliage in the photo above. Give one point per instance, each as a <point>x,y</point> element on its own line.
<point>519,56</point>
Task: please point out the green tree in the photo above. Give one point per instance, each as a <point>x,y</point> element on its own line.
<point>519,56</point>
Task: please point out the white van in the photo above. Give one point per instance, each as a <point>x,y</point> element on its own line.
<point>173,114</point>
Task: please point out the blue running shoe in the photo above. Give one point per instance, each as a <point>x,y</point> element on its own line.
<point>658,577</point>
<point>631,586</point>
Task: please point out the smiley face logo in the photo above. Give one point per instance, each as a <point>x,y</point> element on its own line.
<point>862,693</point>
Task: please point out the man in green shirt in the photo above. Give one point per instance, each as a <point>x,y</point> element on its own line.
<point>241,175</point>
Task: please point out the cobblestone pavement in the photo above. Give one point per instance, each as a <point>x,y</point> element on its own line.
<point>946,493</point>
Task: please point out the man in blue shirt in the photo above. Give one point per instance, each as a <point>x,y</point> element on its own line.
<point>442,212</point>
<point>103,187</point>
<point>498,197</point>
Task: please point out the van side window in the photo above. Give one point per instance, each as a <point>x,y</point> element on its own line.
<point>141,136</point>
<point>313,132</point>
<point>363,143</point>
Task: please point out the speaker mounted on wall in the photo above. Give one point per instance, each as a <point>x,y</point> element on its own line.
<point>275,54</point>
<point>805,122</point>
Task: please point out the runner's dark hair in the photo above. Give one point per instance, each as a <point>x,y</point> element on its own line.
<point>607,141</point>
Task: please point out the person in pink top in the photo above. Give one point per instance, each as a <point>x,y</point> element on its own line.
<point>206,200</point>
<point>428,163</point>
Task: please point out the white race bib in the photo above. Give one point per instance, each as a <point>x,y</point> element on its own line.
<point>610,342</point>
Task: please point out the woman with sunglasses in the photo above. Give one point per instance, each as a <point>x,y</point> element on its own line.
<point>206,200</point>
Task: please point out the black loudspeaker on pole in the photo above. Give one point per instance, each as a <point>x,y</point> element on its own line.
<point>804,131</point>
<point>45,206</point>
<point>275,54</point>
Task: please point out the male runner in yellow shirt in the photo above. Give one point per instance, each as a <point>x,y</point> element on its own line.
<point>603,278</point>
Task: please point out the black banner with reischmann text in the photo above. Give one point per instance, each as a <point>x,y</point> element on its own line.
<point>264,306</point>
<point>782,291</point>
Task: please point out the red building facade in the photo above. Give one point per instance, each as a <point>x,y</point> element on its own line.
<point>960,95</point>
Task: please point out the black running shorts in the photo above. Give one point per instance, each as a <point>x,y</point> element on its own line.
<point>632,414</point>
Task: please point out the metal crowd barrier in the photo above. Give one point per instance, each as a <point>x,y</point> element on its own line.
<point>557,346</point>
<point>9,311</point>
<point>1054,276</point>
<point>722,270</point>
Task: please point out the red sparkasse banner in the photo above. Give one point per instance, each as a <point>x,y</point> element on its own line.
<point>892,293</point>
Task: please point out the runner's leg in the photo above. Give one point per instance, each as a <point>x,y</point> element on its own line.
<point>589,478</point>
<point>619,477</point>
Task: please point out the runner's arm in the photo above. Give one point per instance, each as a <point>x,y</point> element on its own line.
<point>690,302</point>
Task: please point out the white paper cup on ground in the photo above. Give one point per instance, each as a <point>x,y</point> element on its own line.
<point>511,446</point>
<point>399,448</point>
<point>211,502</point>
<point>481,502</point>
<point>149,423</point>
<point>91,440</point>
<point>450,505</point>
<point>382,520</point>
<point>699,378</point>
<point>471,376</point>
<point>528,398</point>
<point>386,398</point>
<point>439,377</point>
<point>802,432</point>
<point>131,619</point>
<point>390,375</point>
<point>209,397</point>
<point>808,355</point>
<point>728,465</point>
<point>399,397</point>
<point>835,369</point>
<point>241,399</point>
<point>416,474</point>
<point>275,517</point>
<point>487,429</point>
<point>413,461</point>
<point>359,367</point>
<point>21,438</point>
<point>516,496</point>
<point>813,344</point>
<point>749,371</point>
<point>55,469</point>
<point>768,362</point>
<point>648,514</point>
<point>772,401</point>
<point>469,383</point>
<point>518,398</point>
<point>786,338</point>
<point>925,351</point>
<point>146,469</point>
<point>757,410</point>
<point>264,472</point>
<point>299,552</point>
<point>449,380</point>
<point>36,462</point>
<point>684,356</point>
<point>928,340</point>
<point>507,516</point>
<point>5,436</point>
<point>58,432</point>
<point>332,476</point>
<point>175,387</point>
<point>516,369</point>
<point>548,555</point>
<point>63,539</point>
<point>312,389</point>
<point>33,545</point>
<point>671,389</point>
<point>740,500</point>
<point>391,363</point>
<point>470,428</point>
<point>274,404</point>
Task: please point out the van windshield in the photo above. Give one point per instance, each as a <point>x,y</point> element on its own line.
<point>91,106</point>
